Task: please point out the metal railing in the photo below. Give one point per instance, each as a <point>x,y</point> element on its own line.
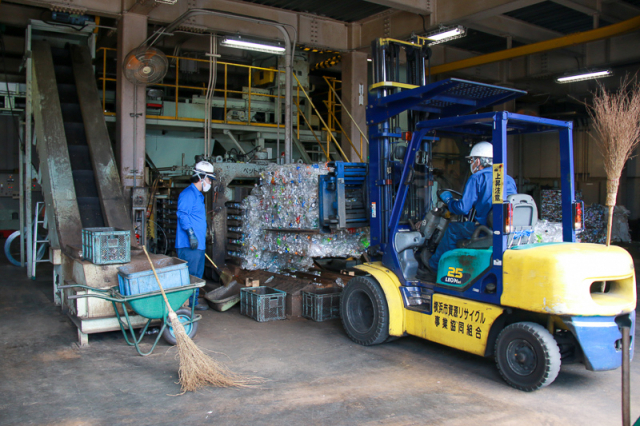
<point>332,107</point>
<point>266,75</point>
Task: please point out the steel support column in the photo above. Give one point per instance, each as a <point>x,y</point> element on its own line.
<point>354,88</point>
<point>130,151</point>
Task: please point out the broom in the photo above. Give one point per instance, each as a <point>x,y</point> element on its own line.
<point>197,369</point>
<point>616,120</point>
<point>616,123</point>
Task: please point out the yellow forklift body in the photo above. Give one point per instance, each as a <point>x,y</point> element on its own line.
<point>567,279</point>
<point>459,323</point>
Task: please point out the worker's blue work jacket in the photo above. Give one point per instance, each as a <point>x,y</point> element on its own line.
<point>191,214</point>
<point>477,193</point>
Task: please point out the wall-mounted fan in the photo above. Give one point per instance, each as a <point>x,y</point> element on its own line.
<point>145,65</point>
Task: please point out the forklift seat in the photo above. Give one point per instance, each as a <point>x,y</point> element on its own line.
<point>525,217</point>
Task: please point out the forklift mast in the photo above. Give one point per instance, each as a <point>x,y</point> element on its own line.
<point>392,93</point>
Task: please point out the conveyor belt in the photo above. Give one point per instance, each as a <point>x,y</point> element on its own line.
<point>79,154</point>
<point>80,179</point>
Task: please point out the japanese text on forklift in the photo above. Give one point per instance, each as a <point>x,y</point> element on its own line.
<point>530,306</point>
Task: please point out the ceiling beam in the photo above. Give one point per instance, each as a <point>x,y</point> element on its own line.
<point>580,6</point>
<point>451,12</point>
<point>420,7</point>
<point>142,7</point>
<point>521,31</point>
<point>629,25</point>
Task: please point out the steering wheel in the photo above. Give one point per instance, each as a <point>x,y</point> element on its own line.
<point>457,196</point>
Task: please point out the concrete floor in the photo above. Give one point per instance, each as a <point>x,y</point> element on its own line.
<point>314,376</point>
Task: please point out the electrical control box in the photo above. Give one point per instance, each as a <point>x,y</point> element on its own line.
<point>9,185</point>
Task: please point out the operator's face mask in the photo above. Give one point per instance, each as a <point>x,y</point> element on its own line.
<point>206,184</point>
<point>473,166</point>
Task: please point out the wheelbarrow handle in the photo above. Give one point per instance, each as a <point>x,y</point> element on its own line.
<point>86,287</point>
<point>99,296</point>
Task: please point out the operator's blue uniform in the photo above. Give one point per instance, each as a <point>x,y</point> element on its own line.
<point>477,193</point>
<point>191,214</point>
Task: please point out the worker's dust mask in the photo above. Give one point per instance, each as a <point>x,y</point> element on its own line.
<point>206,186</point>
<point>474,165</point>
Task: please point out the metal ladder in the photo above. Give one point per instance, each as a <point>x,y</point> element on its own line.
<point>35,258</point>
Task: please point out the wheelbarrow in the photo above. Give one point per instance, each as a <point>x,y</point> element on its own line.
<point>151,306</point>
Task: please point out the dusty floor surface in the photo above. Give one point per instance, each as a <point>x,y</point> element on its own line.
<point>314,376</point>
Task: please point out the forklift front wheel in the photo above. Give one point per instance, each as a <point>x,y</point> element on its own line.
<point>365,314</point>
<point>527,356</point>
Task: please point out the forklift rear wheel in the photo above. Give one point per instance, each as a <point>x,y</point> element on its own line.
<point>527,356</point>
<point>184,315</point>
<point>365,314</point>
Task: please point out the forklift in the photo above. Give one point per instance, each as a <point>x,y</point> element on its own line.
<point>530,306</point>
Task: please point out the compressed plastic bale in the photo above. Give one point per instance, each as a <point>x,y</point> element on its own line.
<point>284,204</point>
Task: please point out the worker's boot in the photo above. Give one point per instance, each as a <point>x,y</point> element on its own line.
<point>201,305</point>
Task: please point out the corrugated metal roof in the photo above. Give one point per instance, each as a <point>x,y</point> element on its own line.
<point>554,16</point>
<point>342,10</point>
<point>481,42</point>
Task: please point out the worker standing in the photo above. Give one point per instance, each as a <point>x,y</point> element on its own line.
<point>192,224</point>
<point>477,193</point>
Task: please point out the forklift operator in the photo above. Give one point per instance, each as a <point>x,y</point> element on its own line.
<point>477,193</point>
<point>192,224</point>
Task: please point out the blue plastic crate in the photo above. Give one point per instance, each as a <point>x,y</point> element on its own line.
<point>263,303</point>
<point>138,278</point>
<point>104,246</point>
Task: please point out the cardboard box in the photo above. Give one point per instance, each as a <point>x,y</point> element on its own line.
<point>251,282</point>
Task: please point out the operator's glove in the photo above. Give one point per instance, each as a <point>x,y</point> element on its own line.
<point>446,196</point>
<point>193,240</point>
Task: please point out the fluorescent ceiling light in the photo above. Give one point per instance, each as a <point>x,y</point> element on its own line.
<point>444,34</point>
<point>587,75</point>
<point>258,46</point>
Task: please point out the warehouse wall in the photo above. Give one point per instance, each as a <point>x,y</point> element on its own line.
<point>541,165</point>
<point>166,150</point>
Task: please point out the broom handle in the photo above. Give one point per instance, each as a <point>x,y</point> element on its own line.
<point>157,279</point>
<point>214,265</point>
<point>207,256</point>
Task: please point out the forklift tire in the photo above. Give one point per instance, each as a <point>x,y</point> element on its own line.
<point>527,356</point>
<point>184,315</point>
<point>365,314</point>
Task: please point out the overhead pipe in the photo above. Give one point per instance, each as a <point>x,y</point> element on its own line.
<point>543,46</point>
<point>288,61</point>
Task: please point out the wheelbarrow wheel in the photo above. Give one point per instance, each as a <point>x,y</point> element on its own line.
<point>184,315</point>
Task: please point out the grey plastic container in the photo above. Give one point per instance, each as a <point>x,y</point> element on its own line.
<point>321,304</point>
<point>263,303</point>
<point>138,278</point>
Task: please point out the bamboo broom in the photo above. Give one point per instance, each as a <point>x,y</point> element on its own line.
<point>616,123</point>
<point>197,369</point>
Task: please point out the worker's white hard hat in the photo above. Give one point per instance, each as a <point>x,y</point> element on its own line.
<point>481,149</point>
<point>204,169</point>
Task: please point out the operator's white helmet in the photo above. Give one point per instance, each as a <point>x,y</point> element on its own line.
<point>481,149</point>
<point>204,169</point>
